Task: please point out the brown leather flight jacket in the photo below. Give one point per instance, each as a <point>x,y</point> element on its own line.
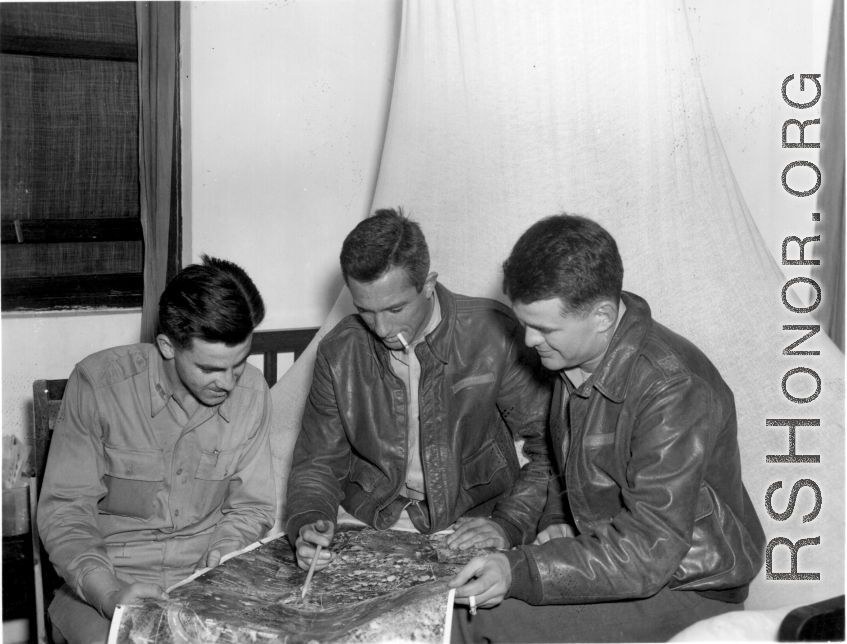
<point>652,474</point>
<point>480,388</point>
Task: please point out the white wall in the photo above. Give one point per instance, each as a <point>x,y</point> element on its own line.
<point>47,346</point>
<point>287,114</point>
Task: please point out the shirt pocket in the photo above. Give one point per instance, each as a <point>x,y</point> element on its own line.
<point>211,479</point>
<point>133,479</point>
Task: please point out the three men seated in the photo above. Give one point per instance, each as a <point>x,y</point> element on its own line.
<point>627,522</point>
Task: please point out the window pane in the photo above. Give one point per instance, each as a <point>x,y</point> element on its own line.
<point>70,138</point>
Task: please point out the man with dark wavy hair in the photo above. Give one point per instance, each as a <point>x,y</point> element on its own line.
<point>415,406</point>
<point>652,529</point>
<point>160,462</point>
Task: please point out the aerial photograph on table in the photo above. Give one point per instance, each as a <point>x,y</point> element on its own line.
<point>383,586</point>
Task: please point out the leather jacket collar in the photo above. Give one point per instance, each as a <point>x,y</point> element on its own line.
<point>613,375</point>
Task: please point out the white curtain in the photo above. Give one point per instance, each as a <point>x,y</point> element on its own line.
<point>505,111</point>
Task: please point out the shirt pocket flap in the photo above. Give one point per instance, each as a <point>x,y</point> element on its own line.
<point>217,465</point>
<point>135,464</point>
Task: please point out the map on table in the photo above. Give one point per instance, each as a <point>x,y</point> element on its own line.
<point>384,586</point>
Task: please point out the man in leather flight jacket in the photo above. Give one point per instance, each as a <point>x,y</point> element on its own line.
<point>653,514</point>
<point>415,406</point>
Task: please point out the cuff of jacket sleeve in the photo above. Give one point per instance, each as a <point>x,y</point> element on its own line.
<point>96,585</point>
<point>526,584</point>
<point>293,525</point>
<point>514,534</point>
<point>549,519</point>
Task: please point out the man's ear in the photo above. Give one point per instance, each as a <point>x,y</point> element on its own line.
<point>429,284</point>
<point>166,347</point>
<point>607,314</point>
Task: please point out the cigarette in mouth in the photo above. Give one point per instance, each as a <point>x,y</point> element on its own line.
<point>403,342</point>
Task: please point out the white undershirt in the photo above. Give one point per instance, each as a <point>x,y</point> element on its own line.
<point>408,368</point>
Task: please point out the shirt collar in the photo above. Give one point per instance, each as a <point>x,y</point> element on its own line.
<point>161,390</point>
<point>586,376</point>
<point>225,408</point>
<point>611,378</point>
<point>441,337</point>
<point>434,319</point>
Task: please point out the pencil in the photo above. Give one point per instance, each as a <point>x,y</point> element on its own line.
<point>311,572</point>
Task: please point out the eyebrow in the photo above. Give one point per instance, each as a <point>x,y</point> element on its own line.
<point>542,329</point>
<point>396,305</point>
<point>209,367</point>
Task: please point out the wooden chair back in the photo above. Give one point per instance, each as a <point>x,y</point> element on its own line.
<point>271,343</point>
<point>46,400</point>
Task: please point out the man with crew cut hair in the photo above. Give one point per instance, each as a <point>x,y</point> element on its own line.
<point>160,462</point>
<point>415,405</point>
<point>662,532</point>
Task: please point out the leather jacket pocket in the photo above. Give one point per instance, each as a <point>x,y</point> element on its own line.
<point>722,553</point>
<point>133,478</point>
<point>364,475</point>
<point>485,474</point>
<point>211,479</point>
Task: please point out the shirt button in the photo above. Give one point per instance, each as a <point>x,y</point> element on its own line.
<point>176,512</point>
<point>179,471</point>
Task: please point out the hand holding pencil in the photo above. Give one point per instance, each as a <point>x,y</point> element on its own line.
<point>312,546</point>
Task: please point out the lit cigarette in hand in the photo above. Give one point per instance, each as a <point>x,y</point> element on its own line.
<point>403,342</point>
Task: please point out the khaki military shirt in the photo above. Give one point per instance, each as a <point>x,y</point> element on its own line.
<point>136,489</point>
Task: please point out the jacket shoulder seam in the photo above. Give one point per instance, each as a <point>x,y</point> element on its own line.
<point>467,303</point>
<point>350,324</point>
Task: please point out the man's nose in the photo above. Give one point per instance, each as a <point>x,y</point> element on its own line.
<point>227,380</point>
<point>533,338</point>
<point>381,326</point>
